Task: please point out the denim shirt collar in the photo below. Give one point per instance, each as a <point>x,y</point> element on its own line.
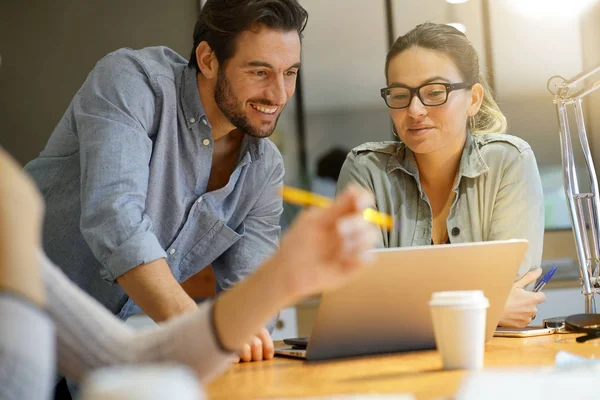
<point>471,161</point>
<point>189,98</point>
<point>252,149</point>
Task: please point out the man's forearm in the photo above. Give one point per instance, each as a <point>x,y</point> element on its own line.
<point>154,288</point>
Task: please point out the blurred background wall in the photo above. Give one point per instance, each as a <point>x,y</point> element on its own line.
<point>49,47</point>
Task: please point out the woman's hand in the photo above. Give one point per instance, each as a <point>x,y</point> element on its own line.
<point>21,212</point>
<point>521,306</point>
<point>325,247</point>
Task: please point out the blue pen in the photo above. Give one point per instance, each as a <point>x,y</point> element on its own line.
<point>540,285</point>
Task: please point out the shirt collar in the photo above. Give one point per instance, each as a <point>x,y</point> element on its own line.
<point>403,159</point>
<point>251,149</point>
<point>471,162</point>
<point>193,111</point>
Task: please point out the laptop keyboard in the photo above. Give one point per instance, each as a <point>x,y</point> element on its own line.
<point>299,343</point>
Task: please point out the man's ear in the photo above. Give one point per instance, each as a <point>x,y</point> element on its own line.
<point>207,61</point>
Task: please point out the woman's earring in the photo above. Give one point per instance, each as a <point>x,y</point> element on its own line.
<point>471,123</point>
<point>394,131</point>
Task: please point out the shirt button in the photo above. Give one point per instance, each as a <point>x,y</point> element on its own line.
<point>192,120</point>
<point>206,142</point>
<point>199,200</point>
<point>204,121</point>
<point>172,251</point>
<point>455,231</point>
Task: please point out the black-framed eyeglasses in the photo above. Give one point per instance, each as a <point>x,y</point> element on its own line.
<point>431,94</point>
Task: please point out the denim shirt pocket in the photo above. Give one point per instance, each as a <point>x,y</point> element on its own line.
<point>215,242</point>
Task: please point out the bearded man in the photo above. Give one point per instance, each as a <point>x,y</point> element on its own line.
<point>161,166</point>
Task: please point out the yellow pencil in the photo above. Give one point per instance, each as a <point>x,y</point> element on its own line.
<point>306,198</point>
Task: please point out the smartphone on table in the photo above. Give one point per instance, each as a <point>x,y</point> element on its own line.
<point>528,331</point>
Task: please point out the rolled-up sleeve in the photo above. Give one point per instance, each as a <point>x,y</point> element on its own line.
<point>114,112</point>
<point>519,209</point>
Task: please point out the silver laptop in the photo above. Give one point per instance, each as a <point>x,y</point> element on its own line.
<point>385,308</point>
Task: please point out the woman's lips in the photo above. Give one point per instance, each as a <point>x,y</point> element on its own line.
<point>420,130</point>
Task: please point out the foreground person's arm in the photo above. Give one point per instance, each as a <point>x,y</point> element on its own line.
<point>323,249</point>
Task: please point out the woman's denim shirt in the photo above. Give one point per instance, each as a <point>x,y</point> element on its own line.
<point>498,193</point>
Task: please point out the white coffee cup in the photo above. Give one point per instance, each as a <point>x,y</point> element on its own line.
<point>459,327</point>
<point>148,382</point>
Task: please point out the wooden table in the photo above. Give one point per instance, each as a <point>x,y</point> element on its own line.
<point>418,373</point>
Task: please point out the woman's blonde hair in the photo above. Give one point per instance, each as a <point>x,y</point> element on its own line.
<point>452,42</point>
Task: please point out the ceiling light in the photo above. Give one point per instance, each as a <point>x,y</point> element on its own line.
<point>456,1</point>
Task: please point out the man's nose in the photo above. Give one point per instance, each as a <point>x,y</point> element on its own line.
<point>276,91</point>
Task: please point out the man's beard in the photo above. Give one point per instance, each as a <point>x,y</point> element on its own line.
<point>232,108</point>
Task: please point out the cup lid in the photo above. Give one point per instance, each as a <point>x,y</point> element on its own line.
<point>459,298</point>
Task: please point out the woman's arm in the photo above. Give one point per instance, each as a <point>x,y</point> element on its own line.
<point>519,214</point>
<point>89,336</point>
<point>323,249</point>
<point>519,209</point>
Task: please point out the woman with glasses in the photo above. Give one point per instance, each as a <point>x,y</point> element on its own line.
<point>454,175</point>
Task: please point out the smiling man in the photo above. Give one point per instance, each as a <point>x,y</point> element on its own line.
<point>160,166</point>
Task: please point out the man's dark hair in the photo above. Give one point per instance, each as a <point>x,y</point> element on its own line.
<point>221,21</point>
